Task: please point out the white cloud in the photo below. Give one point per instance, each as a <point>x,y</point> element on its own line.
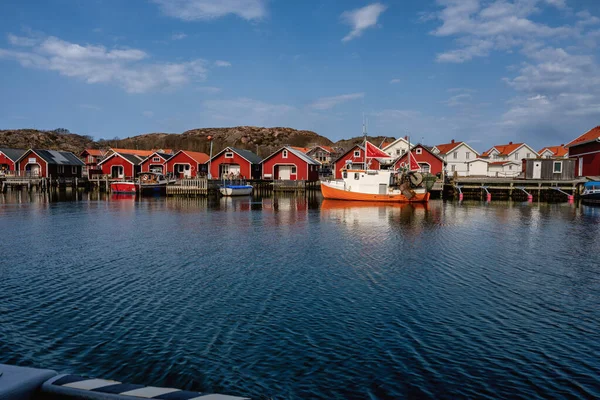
<point>21,41</point>
<point>221,63</point>
<point>192,10</point>
<point>178,36</point>
<point>458,100</point>
<point>395,81</point>
<point>126,68</point>
<point>361,19</point>
<point>148,114</point>
<point>326,103</point>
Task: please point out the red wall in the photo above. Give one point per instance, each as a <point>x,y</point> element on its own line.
<point>304,171</point>
<point>25,160</point>
<point>182,158</point>
<point>435,164</point>
<point>118,160</point>
<point>339,164</point>
<point>245,168</point>
<point>145,166</point>
<point>6,160</point>
<point>591,162</point>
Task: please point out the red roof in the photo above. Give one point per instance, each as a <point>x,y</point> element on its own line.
<point>200,158</point>
<point>302,149</point>
<point>447,147</point>
<point>94,152</point>
<point>504,149</point>
<point>328,149</point>
<point>140,153</point>
<point>590,136</point>
<point>558,151</point>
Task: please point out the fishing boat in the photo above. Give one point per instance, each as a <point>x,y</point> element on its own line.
<point>123,187</point>
<point>401,186</point>
<point>591,192</point>
<point>152,181</point>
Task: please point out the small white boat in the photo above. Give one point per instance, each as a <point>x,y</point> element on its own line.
<point>152,181</point>
<point>235,190</point>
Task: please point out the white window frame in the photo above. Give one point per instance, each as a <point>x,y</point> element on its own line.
<point>419,151</point>
<point>455,155</point>
<point>554,164</point>
<point>294,170</point>
<point>356,153</point>
<point>453,168</point>
<point>73,169</point>
<point>284,154</point>
<point>229,154</point>
<point>528,155</point>
<point>516,156</point>
<point>467,155</point>
<point>397,152</point>
<point>60,169</point>
<point>155,159</point>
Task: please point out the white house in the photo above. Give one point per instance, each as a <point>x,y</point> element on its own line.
<point>457,156</point>
<point>397,148</point>
<point>477,167</point>
<point>504,169</point>
<point>511,151</point>
<point>554,152</point>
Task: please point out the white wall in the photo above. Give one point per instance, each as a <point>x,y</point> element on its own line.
<point>459,164</point>
<point>478,168</point>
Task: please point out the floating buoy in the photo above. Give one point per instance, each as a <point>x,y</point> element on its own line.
<point>529,197</point>
<point>489,197</point>
<point>460,197</point>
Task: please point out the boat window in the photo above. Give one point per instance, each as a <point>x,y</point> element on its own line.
<point>345,174</point>
<point>557,167</point>
<point>356,175</point>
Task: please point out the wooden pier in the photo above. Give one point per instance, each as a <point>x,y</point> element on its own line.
<point>516,189</point>
<point>19,182</point>
<point>191,187</point>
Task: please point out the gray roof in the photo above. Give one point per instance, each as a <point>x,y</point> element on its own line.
<point>303,156</point>
<point>165,155</point>
<point>59,157</point>
<point>135,160</point>
<point>248,155</point>
<point>13,154</point>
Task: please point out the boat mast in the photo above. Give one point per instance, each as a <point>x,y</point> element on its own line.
<point>365,143</point>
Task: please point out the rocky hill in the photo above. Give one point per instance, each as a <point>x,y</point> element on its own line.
<point>58,139</point>
<point>262,141</point>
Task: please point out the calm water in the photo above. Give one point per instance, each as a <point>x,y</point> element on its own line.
<point>289,298</point>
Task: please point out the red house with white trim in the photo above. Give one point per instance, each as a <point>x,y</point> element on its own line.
<point>8,159</point>
<point>428,161</point>
<point>354,158</point>
<point>50,163</point>
<point>586,151</point>
<point>187,164</point>
<point>288,163</point>
<point>121,166</point>
<point>155,162</point>
<point>235,161</point>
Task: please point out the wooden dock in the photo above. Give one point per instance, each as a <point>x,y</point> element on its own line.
<point>509,188</point>
<point>191,187</point>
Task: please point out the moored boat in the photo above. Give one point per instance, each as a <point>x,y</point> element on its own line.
<point>152,181</point>
<point>591,192</point>
<point>123,187</point>
<point>235,190</point>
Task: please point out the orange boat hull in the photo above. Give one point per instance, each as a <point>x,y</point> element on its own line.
<point>338,194</point>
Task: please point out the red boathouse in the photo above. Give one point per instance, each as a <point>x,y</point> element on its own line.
<point>429,162</point>
<point>8,159</point>
<point>354,158</point>
<point>586,151</point>
<point>156,162</point>
<point>50,163</point>
<point>187,164</point>
<point>235,161</point>
<point>288,163</point>
<point>121,166</point>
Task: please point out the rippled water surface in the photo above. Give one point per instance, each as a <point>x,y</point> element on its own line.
<point>295,298</point>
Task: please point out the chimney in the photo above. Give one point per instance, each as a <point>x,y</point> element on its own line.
<point>562,145</point>
<point>452,141</point>
<point>509,142</point>
<point>406,138</point>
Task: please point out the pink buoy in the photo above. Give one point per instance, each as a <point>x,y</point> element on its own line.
<point>530,197</point>
<point>571,198</point>
<point>489,197</point>
<point>460,196</point>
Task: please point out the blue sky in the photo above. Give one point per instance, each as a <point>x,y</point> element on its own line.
<point>484,71</point>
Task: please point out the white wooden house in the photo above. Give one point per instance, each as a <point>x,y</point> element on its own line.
<point>457,156</point>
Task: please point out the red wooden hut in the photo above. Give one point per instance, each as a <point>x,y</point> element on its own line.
<point>586,151</point>
<point>50,163</point>
<point>156,162</point>
<point>121,166</point>
<point>235,161</point>
<point>353,158</point>
<point>8,159</point>
<point>187,164</point>
<point>428,161</point>
<point>288,163</point>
